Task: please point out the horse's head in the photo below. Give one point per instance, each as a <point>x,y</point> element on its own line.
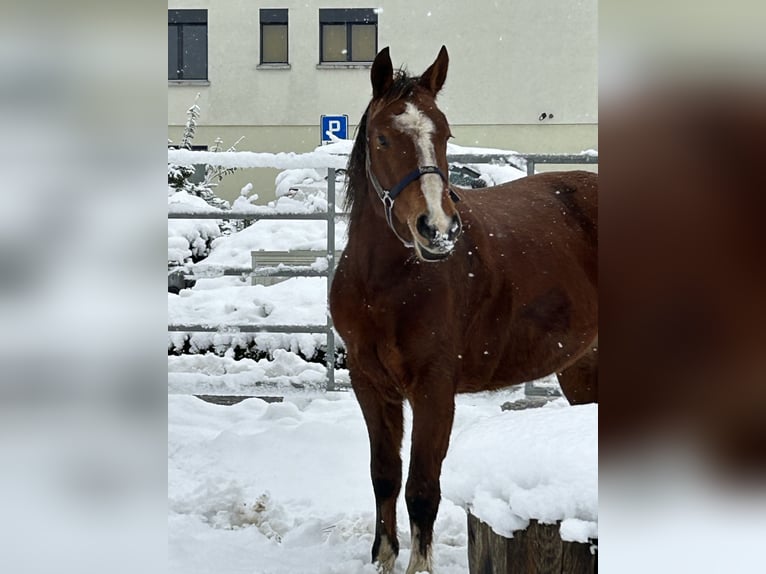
<point>407,157</point>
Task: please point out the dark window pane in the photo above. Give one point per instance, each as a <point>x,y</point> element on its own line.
<point>187,16</point>
<point>274,44</point>
<point>363,42</point>
<point>347,15</point>
<point>273,15</point>
<point>334,43</point>
<point>173,64</point>
<point>195,52</point>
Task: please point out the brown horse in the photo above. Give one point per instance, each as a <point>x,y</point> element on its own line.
<point>435,297</point>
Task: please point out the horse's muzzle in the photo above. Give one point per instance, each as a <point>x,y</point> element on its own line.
<point>431,244</point>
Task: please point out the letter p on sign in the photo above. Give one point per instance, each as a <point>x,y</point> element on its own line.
<point>333,127</point>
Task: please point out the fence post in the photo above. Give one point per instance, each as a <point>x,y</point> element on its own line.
<point>330,353</point>
<point>530,167</point>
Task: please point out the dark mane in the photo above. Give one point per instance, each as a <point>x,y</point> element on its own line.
<point>356,176</point>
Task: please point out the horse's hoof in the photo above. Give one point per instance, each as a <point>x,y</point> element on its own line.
<point>419,564</point>
<point>386,556</point>
<point>385,566</point>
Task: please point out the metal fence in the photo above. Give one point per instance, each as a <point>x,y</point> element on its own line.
<point>524,162</point>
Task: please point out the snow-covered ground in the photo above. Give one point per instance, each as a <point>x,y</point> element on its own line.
<point>278,488</point>
<point>283,488</point>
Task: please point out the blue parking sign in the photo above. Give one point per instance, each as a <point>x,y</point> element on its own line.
<point>334,127</point>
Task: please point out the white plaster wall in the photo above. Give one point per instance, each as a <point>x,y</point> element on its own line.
<point>510,61</point>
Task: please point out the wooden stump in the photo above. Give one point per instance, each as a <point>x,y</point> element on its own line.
<point>536,550</point>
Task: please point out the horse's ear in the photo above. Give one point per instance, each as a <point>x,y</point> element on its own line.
<point>382,73</point>
<point>433,78</point>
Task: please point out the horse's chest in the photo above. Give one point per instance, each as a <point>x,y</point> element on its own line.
<point>357,313</point>
<point>379,319</point>
<point>383,314</point>
<point>370,332</point>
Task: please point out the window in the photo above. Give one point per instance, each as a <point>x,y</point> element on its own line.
<point>274,36</point>
<point>187,44</point>
<point>348,35</point>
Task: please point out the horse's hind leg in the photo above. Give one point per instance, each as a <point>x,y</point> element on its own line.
<point>579,381</point>
<point>432,415</point>
<point>383,416</point>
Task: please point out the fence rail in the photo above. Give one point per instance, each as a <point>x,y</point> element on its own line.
<point>319,216</point>
<point>523,162</point>
<point>246,328</point>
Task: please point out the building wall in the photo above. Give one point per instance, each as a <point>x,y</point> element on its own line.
<point>510,61</point>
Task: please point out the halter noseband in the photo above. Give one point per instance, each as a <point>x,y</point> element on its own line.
<point>388,196</point>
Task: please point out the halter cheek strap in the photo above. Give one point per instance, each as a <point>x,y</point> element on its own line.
<point>388,196</point>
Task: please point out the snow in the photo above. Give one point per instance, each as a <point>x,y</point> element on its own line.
<point>211,374</point>
<point>288,179</point>
<point>321,158</point>
<point>238,504</point>
<point>330,155</point>
<point>277,488</point>
<point>188,237</point>
<point>283,205</point>
<point>297,301</point>
<point>535,463</point>
<point>273,235</point>
<point>284,487</point>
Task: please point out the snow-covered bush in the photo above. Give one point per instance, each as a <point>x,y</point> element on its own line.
<point>189,240</point>
<point>180,180</point>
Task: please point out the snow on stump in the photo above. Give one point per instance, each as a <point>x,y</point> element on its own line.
<point>538,549</point>
<point>529,482</point>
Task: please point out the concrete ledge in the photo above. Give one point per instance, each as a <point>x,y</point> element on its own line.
<point>188,82</point>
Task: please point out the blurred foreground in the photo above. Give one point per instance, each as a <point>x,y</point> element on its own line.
<point>683,386</point>
<point>82,253</point>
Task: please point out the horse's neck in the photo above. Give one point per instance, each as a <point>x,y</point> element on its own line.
<point>378,250</point>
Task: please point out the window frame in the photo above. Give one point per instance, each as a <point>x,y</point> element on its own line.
<point>347,17</point>
<point>180,19</point>
<point>274,17</point>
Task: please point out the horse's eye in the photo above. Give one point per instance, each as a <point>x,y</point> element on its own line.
<point>382,141</point>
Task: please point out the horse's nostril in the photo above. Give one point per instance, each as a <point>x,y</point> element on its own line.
<point>424,229</point>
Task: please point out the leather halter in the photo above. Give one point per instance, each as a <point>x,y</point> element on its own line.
<point>388,196</point>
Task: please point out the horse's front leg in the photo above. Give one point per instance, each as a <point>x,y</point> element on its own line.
<point>383,415</point>
<point>433,408</point>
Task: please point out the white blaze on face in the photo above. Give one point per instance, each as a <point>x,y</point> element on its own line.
<point>419,126</point>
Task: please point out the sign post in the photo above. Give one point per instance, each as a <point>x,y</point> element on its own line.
<point>333,127</point>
